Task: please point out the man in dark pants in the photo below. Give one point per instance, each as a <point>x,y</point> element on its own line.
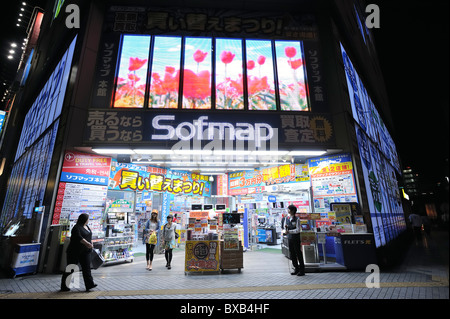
<point>293,231</point>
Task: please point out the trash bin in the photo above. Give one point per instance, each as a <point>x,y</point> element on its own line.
<point>25,259</point>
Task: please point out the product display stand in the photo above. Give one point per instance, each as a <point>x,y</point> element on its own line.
<point>231,258</point>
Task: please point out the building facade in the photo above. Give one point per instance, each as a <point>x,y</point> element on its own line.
<point>157,99</point>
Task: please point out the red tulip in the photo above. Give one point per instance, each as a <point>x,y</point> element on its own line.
<point>196,86</point>
<point>295,64</point>
<point>250,64</point>
<point>199,56</point>
<point>261,59</point>
<point>227,57</point>
<point>136,63</point>
<point>133,77</point>
<point>290,52</point>
<point>170,69</point>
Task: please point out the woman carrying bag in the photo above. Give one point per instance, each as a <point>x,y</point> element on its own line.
<point>151,231</point>
<point>79,251</point>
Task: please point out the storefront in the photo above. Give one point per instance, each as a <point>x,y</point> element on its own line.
<point>223,119</point>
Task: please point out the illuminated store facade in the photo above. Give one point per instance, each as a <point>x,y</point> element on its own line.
<point>168,107</point>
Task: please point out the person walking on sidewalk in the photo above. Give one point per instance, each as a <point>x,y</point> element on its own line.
<point>79,251</point>
<point>293,229</point>
<point>169,240</point>
<point>151,230</point>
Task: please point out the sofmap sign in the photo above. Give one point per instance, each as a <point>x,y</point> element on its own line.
<point>257,131</point>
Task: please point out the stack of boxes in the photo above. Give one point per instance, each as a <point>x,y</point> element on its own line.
<point>231,259</point>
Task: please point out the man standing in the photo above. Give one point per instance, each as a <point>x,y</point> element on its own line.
<point>293,232</point>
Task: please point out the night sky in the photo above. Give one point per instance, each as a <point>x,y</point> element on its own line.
<point>412,45</point>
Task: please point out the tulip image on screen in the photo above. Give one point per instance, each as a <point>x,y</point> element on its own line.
<point>197,73</point>
<point>132,76</point>
<point>165,77</point>
<point>229,81</point>
<point>260,75</point>
<point>291,76</point>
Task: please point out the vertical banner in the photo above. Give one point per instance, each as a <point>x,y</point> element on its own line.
<point>317,91</point>
<point>105,71</point>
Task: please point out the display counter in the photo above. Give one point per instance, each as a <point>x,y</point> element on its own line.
<point>231,258</point>
<point>358,250</point>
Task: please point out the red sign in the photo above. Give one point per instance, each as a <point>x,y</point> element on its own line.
<point>85,168</point>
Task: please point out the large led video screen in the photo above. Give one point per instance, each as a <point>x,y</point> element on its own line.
<point>132,76</point>
<point>210,73</point>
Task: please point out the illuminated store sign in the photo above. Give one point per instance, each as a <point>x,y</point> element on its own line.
<point>48,105</point>
<point>242,131</point>
<point>165,128</point>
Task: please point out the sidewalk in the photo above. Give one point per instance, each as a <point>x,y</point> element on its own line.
<point>423,275</point>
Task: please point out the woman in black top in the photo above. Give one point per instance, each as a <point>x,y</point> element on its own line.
<point>79,251</point>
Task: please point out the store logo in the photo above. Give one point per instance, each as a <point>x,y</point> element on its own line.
<point>185,131</point>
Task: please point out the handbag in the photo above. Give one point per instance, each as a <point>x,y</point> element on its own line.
<point>96,259</point>
<point>152,239</point>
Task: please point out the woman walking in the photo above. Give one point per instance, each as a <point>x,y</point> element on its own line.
<point>151,231</point>
<point>169,239</point>
<point>79,251</point>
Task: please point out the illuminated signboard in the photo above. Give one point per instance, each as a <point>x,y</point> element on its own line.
<point>226,130</point>
<point>2,119</point>
<point>210,59</point>
<point>382,190</point>
<point>47,106</point>
<point>366,115</point>
<point>133,177</point>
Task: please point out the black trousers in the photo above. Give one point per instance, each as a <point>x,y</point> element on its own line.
<point>296,254</point>
<point>84,260</point>
<point>150,248</point>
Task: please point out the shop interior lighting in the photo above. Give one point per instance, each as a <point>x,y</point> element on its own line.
<point>306,153</point>
<point>113,151</point>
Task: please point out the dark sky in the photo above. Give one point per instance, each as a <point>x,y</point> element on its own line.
<point>412,45</point>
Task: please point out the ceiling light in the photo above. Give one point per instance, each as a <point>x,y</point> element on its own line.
<point>113,151</point>
<point>305,153</point>
<point>13,45</point>
<point>10,57</point>
<point>153,151</point>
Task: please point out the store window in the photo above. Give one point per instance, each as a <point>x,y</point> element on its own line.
<point>291,76</point>
<point>229,74</point>
<point>132,77</point>
<point>260,75</point>
<point>197,73</point>
<point>165,76</point>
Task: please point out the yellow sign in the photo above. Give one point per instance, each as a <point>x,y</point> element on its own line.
<point>202,256</point>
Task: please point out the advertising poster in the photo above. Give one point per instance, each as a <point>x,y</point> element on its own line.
<point>332,181</point>
<point>85,168</point>
<point>383,194</point>
<point>125,176</point>
<point>202,256</point>
<point>258,180</point>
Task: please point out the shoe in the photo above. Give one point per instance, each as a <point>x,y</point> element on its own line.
<point>65,289</point>
<point>296,272</point>
<point>168,267</point>
<point>95,285</point>
<point>301,273</point>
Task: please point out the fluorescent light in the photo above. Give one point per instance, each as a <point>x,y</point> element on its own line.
<point>231,152</point>
<point>193,152</point>
<point>113,151</point>
<point>153,151</point>
<point>269,152</point>
<point>305,153</point>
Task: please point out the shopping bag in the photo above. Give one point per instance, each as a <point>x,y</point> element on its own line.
<point>96,259</point>
<point>152,239</point>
